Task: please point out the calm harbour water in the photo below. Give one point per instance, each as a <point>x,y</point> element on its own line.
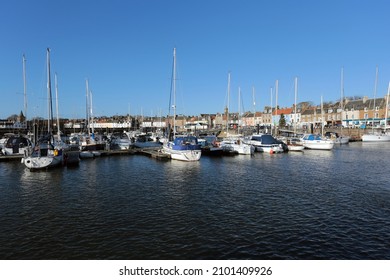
<point>310,205</point>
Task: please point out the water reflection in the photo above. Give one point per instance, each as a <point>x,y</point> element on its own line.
<point>310,205</point>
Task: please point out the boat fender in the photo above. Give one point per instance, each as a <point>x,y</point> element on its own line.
<point>55,152</point>
<point>271,151</point>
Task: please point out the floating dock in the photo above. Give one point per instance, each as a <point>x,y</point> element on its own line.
<point>10,157</point>
<point>154,153</point>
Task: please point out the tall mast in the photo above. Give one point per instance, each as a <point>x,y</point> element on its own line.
<point>174,92</point>
<point>50,105</point>
<point>58,119</point>
<point>87,106</point>
<point>387,105</point>
<point>342,90</point>
<point>295,105</point>
<point>254,106</point>
<point>91,116</point>
<point>322,117</point>
<point>276,101</point>
<point>239,110</point>
<point>227,107</point>
<point>342,97</point>
<point>375,89</point>
<point>25,88</point>
<point>271,91</point>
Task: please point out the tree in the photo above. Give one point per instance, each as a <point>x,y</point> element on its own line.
<point>282,121</point>
<point>304,105</point>
<point>13,118</point>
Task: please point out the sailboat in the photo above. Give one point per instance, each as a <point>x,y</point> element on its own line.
<point>235,143</point>
<point>384,136</point>
<point>339,138</point>
<point>45,154</point>
<point>184,148</point>
<point>71,154</point>
<point>17,144</point>
<point>317,142</point>
<point>294,144</point>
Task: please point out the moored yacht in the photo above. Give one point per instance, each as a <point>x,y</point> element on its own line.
<point>338,139</point>
<point>16,145</point>
<point>316,142</point>
<point>210,146</point>
<point>266,143</point>
<point>44,155</point>
<point>185,148</point>
<point>376,137</point>
<point>238,146</point>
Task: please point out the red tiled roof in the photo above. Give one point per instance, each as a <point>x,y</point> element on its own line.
<point>284,111</point>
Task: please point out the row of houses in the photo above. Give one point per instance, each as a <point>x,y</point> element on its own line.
<point>347,113</point>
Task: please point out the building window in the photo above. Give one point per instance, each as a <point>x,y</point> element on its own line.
<point>376,108</point>
<point>376,115</point>
<point>365,110</point>
<point>366,116</point>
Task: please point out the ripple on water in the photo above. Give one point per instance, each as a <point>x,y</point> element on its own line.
<point>311,205</point>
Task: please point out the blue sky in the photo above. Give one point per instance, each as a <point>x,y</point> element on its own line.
<point>124,48</point>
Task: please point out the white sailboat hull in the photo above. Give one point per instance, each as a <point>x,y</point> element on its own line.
<point>318,145</point>
<point>241,148</point>
<point>315,142</point>
<point>376,137</point>
<point>296,147</point>
<point>42,162</point>
<point>342,140</point>
<point>269,149</point>
<point>183,155</point>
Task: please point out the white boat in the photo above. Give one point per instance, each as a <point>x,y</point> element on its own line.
<point>71,153</point>
<point>383,136</point>
<point>338,139</point>
<point>210,146</point>
<point>121,142</point>
<point>4,140</point>
<point>185,148</point>
<point>89,141</point>
<point>237,145</point>
<point>45,155</point>
<point>145,140</point>
<point>266,143</point>
<point>295,145</point>
<point>376,137</point>
<point>89,154</point>
<point>16,145</point>
<point>316,142</point>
